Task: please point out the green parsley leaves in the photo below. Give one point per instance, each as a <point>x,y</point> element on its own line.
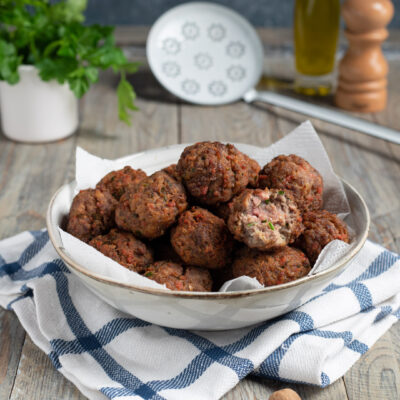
<point>51,36</point>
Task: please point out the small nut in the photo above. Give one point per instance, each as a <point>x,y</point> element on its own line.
<point>285,394</point>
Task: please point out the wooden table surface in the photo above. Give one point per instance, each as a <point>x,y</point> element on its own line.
<point>30,174</point>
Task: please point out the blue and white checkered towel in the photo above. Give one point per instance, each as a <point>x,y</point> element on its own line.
<point>107,354</point>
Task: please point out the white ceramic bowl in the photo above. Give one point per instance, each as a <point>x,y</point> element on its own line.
<point>199,310</point>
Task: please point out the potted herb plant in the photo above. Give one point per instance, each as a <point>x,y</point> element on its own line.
<point>48,59</point>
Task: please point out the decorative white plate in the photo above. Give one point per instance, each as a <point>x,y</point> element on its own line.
<point>205,53</point>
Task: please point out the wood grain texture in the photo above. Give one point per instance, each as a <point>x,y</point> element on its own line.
<point>260,389</point>
<point>376,375</point>
<point>154,125</point>
<point>29,175</point>
<point>12,337</point>
<point>38,380</point>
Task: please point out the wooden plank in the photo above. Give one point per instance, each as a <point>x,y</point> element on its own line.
<point>37,379</point>
<point>154,125</point>
<point>259,389</point>
<point>12,337</point>
<point>376,375</point>
<point>237,122</point>
<point>30,174</point>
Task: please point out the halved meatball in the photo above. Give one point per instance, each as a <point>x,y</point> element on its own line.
<point>265,219</point>
<point>124,248</point>
<point>214,172</point>
<point>321,227</point>
<point>91,214</point>
<point>151,206</point>
<point>202,239</point>
<point>271,268</point>
<point>176,277</point>
<point>118,182</point>
<point>297,175</point>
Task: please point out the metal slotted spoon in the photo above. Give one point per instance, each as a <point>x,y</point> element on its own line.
<point>208,54</point>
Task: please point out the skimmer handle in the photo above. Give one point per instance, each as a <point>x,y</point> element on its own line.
<point>324,114</point>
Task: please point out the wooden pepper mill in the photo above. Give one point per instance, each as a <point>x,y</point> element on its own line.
<point>363,69</point>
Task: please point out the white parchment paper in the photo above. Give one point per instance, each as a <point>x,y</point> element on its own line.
<point>302,141</point>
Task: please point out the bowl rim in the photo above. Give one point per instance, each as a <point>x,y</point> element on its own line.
<point>201,295</point>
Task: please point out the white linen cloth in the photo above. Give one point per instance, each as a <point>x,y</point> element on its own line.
<point>108,354</point>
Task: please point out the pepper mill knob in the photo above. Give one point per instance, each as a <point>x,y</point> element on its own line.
<point>363,69</point>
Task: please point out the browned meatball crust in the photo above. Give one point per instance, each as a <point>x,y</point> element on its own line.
<point>118,182</point>
<point>202,239</point>
<point>214,172</point>
<point>176,277</point>
<point>223,210</point>
<point>91,214</point>
<point>163,250</point>
<point>172,171</point>
<point>265,219</point>
<point>271,268</point>
<point>297,175</point>
<point>254,170</point>
<point>220,276</point>
<point>321,227</point>
<point>151,206</point>
<point>124,248</point>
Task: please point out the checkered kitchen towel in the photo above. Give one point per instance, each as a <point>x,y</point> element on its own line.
<point>107,354</point>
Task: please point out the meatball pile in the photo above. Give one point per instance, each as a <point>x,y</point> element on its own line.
<point>213,216</point>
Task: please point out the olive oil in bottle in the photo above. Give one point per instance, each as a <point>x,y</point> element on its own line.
<point>316,28</point>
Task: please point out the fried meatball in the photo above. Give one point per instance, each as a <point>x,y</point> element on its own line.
<point>254,170</point>
<point>91,214</point>
<point>265,219</point>
<point>124,248</point>
<point>172,171</point>
<point>220,276</point>
<point>151,206</point>
<point>271,268</point>
<point>202,239</point>
<point>297,175</point>
<point>321,227</point>
<point>163,250</point>
<point>118,182</point>
<point>223,210</point>
<point>214,172</point>
<point>176,277</point>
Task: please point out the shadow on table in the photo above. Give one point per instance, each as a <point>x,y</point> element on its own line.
<point>147,87</point>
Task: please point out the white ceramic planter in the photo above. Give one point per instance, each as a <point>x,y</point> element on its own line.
<point>36,111</point>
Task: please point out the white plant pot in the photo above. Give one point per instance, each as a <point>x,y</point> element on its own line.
<point>36,111</point>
